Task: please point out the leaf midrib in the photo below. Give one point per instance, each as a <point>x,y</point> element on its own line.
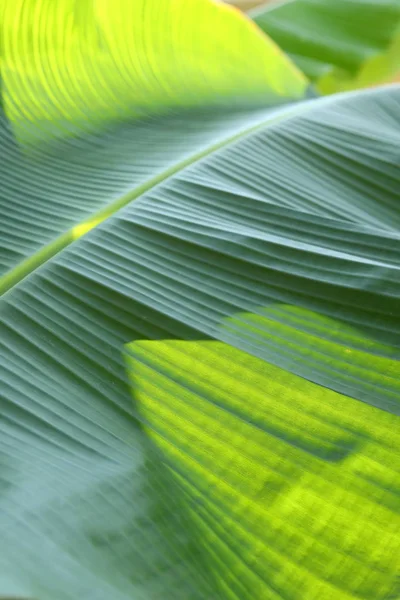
<point>31,264</point>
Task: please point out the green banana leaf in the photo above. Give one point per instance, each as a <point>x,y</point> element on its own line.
<point>339,44</point>
<point>256,249</point>
<point>182,262</point>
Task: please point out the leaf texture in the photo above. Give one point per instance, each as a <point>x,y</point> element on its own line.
<point>69,188</point>
<point>292,489</point>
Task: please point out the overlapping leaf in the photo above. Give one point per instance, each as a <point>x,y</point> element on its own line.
<point>340,44</point>
<point>292,489</point>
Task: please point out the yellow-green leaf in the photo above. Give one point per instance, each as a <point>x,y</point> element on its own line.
<point>292,489</point>
<point>69,64</point>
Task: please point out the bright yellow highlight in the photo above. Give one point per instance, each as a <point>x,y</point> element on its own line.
<point>293,490</point>
<point>80,230</point>
<point>71,65</point>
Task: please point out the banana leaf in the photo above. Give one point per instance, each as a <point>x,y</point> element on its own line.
<point>235,267</point>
